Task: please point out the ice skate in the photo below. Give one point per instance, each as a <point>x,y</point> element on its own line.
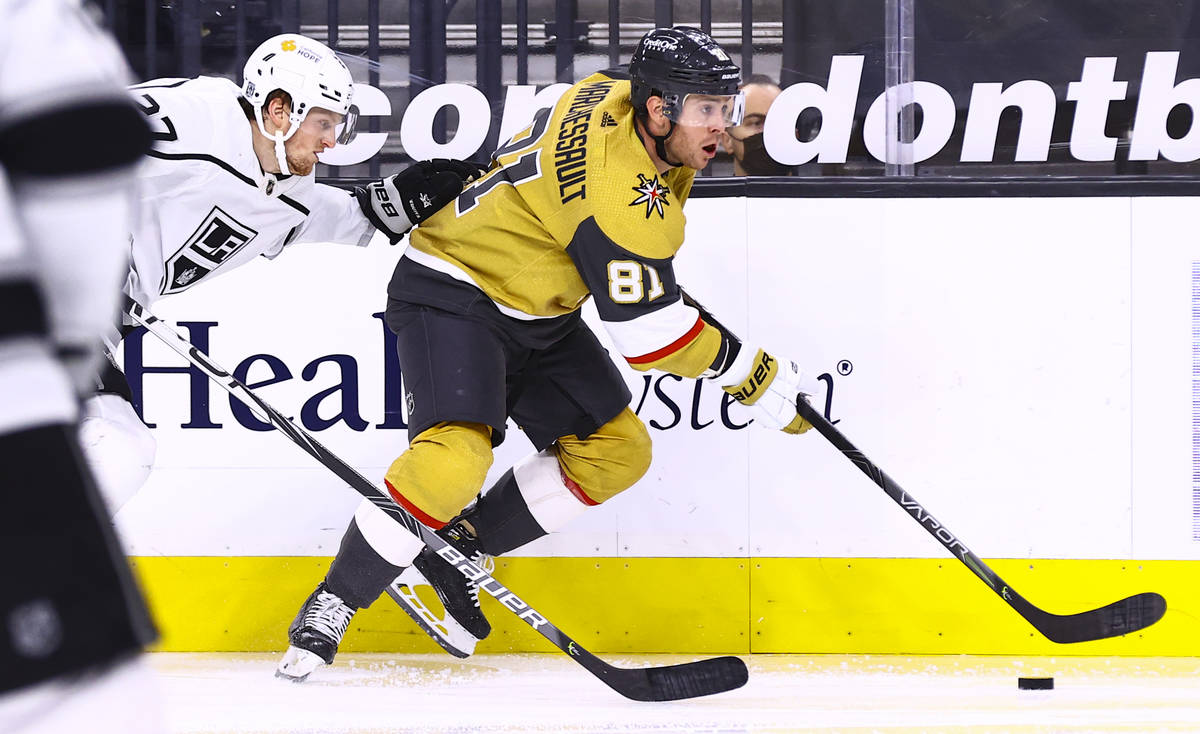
<point>461,623</point>
<point>314,634</point>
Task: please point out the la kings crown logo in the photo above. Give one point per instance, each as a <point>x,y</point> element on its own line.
<point>218,238</point>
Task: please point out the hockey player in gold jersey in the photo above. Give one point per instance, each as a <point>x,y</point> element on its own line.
<point>485,303</point>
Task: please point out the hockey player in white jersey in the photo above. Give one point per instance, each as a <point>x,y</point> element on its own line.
<point>72,622</point>
<point>230,177</point>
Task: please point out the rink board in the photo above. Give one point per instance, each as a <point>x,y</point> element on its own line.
<point>1024,367</point>
<point>698,605</point>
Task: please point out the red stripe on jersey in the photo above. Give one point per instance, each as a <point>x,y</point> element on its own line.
<point>575,489</point>
<point>426,520</point>
<point>671,348</point>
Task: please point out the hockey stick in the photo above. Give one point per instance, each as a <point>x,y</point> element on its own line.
<point>663,683</point>
<point>1119,618</point>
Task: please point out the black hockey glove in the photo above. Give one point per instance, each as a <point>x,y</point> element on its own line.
<point>398,203</point>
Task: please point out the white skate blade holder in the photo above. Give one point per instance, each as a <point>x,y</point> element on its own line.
<point>444,629</point>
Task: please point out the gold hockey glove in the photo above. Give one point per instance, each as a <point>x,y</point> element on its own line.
<point>770,388</point>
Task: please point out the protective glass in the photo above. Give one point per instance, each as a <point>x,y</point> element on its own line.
<point>707,110</point>
<point>748,127</point>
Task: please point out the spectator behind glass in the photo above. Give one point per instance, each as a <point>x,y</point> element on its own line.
<point>745,142</point>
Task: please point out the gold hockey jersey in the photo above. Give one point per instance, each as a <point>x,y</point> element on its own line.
<point>574,207</point>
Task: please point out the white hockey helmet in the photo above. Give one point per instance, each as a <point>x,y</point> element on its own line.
<point>310,72</point>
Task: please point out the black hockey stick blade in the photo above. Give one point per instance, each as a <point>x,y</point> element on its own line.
<point>1119,618</point>
<point>1122,617</point>
<point>671,682</point>
<point>663,683</point>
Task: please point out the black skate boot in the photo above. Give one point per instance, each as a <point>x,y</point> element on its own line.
<point>463,624</point>
<point>315,634</point>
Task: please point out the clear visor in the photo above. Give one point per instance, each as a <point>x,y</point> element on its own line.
<point>707,110</point>
<point>347,129</point>
<point>324,123</point>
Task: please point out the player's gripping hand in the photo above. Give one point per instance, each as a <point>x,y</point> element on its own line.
<point>400,202</point>
<point>769,387</point>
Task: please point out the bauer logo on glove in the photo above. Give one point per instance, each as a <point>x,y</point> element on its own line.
<point>382,201</point>
<point>763,372</point>
<point>770,388</point>
<point>396,204</point>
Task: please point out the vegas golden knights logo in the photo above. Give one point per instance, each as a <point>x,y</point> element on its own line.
<point>217,239</point>
<point>652,193</point>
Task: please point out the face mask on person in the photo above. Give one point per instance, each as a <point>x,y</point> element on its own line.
<point>755,160</point>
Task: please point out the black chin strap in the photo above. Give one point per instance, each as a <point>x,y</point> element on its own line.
<point>660,141</point>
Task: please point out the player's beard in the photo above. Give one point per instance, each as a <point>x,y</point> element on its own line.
<point>685,151</point>
<point>299,164</point>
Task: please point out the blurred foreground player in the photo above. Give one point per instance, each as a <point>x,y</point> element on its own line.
<point>232,177</point>
<point>485,304</point>
<point>72,622</point>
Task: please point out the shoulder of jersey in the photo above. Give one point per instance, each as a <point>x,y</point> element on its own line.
<point>200,115</point>
<point>633,204</point>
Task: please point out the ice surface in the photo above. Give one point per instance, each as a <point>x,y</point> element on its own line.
<point>207,692</point>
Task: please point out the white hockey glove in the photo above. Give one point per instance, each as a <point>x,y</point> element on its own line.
<point>769,387</point>
<point>400,202</point>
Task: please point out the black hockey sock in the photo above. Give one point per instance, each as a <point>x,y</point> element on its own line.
<point>358,574</point>
<point>69,598</point>
<point>501,519</point>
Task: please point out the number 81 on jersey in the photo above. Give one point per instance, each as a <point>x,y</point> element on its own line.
<point>626,284</point>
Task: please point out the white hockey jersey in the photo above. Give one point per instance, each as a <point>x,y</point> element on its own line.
<point>207,205</point>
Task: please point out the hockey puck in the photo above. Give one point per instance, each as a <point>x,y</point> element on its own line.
<point>1035,684</point>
